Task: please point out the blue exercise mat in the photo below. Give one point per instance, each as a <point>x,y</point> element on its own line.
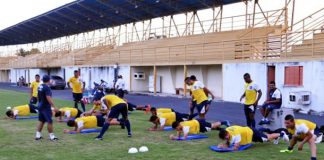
<point>26,117</point>
<point>193,136</point>
<point>90,130</point>
<point>168,128</point>
<point>241,148</point>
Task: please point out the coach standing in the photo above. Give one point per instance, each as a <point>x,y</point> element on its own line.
<point>120,87</point>
<point>252,95</point>
<point>45,106</point>
<point>77,89</point>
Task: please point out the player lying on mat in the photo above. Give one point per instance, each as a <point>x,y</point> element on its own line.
<point>85,123</point>
<point>166,119</point>
<point>236,136</point>
<point>304,131</point>
<point>68,113</point>
<point>132,107</point>
<point>157,111</point>
<point>195,126</point>
<point>23,110</point>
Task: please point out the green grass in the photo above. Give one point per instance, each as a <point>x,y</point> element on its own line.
<point>17,141</point>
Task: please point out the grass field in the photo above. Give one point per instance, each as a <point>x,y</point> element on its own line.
<point>17,141</point>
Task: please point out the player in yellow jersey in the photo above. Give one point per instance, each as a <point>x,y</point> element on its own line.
<point>34,90</point>
<point>236,136</point>
<point>195,126</point>
<point>252,95</point>
<point>96,109</point>
<point>166,119</point>
<point>304,131</point>
<point>77,89</point>
<point>23,110</point>
<point>199,95</point>
<point>85,123</point>
<point>114,106</point>
<point>157,111</point>
<point>68,113</point>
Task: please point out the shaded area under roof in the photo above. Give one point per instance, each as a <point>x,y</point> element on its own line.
<point>87,15</point>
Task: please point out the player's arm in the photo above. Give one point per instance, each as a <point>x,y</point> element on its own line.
<point>206,90</point>
<point>50,101</point>
<point>15,114</point>
<point>162,124</point>
<point>243,95</point>
<point>309,135</point>
<point>259,96</point>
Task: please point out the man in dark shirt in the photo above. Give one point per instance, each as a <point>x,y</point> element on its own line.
<point>45,106</point>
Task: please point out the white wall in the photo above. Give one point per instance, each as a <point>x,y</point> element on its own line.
<point>313,81</point>
<point>137,84</point>
<point>233,82</point>
<point>4,75</point>
<point>16,73</point>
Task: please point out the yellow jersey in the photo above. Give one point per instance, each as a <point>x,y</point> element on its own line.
<point>96,107</point>
<point>166,119</point>
<point>251,90</point>
<point>194,126</point>
<point>22,110</point>
<point>34,85</point>
<point>87,122</point>
<point>76,84</point>
<point>301,128</point>
<point>163,110</point>
<point>69,112</point>
<point>113,100</point>
<point>241,135</point>
<point>197,92</point>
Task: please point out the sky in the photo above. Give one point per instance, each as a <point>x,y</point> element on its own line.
<point>15,11</point>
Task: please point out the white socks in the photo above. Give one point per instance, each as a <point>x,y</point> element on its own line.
<point>51,135</point>
<point>38,134</point>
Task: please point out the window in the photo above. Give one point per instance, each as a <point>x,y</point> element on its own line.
<point>294,76</point>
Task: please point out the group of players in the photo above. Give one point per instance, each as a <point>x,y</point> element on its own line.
<point>108,108</point>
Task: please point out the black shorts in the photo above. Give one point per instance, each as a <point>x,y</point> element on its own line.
<point>202,107</point>
<point>181,116</point>
<point>100,121</point>
<point>204,125</point>
<point>33,109</point>
<point>45,116</point>
<point>120,108</point>
<point>78,114</point>
<point>77,96</point>
<point>258,135</point>
<point>33,100</point>
<point>249,108</point>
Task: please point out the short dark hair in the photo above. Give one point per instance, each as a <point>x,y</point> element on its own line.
<point>153,118</point>
<point>71,123</point>
<point>273,82</point>
<point>9,113</point>
<point>153,109</point>
<point>289,117</point>
<point>187,78</point>
<point>57,114</point>
<point>222,133</point>
<point>37,75</point>
<point>193,77</point>
<point>247,75</point>
<point>175,124</point>
<point>75,71</point>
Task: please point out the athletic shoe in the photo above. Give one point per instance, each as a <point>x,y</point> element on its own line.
<point>227,123</point>
<point>38,138</point>
<point>266,122</point>
<point>54,139</point>
<point>129,134</point>
<point>286,151</point>
<point>276,141</point>
<point>98,139</point>
<point>261,122</point>
<point>147,109</point>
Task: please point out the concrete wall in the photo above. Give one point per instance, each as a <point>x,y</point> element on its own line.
<point>139,85</point>
<point>313,81</point>
<point>4,75</point>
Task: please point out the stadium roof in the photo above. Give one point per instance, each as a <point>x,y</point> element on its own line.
<point>87,15</point>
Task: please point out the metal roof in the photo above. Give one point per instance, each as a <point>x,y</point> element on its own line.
<point>87,15</point>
